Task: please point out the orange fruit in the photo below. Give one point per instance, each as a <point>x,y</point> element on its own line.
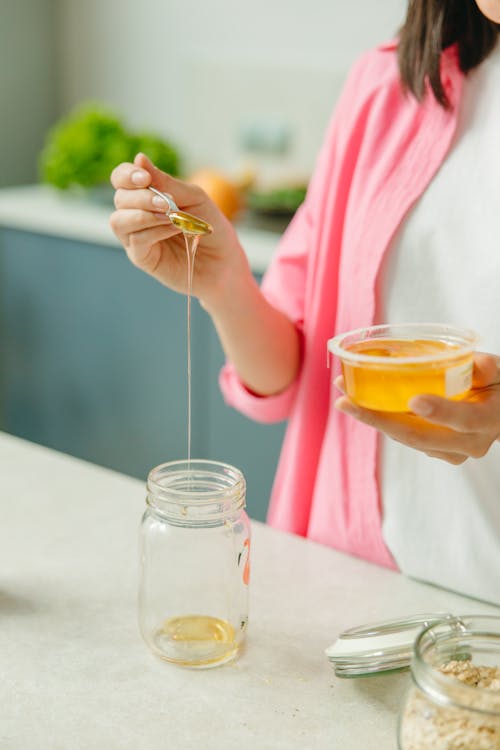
<point>223,191</point>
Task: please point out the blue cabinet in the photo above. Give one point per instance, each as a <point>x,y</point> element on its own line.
<point>93,359</point>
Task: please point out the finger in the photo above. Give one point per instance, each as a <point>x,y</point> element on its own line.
<point>144,162</point>
<point>486,370</point>
<point>339,383</point>
<point>452,458</point>
<point>130,176</point>
<point>413,431</point>
<point>143,200</point>
<point>125,221</point>
<point>143,248</point>
<point>166,232</point>
<point>183,193</point>
<point>476,415</point>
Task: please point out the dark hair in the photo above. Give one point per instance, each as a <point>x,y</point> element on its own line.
<point>430,27</point>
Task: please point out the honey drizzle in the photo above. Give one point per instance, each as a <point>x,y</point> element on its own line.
<point>191,241</point>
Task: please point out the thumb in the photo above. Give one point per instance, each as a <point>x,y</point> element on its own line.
<point>141,160</point>
<point>486,370</point>
<point>181,192</point>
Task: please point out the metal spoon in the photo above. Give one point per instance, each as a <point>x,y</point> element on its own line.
<point>172,205</point>
<point>187,223</point>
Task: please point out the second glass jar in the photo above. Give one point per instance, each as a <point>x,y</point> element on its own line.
<point>454,700</point>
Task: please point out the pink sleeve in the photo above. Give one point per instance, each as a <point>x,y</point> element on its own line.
<point>284,286</point>
<point>260,408</point>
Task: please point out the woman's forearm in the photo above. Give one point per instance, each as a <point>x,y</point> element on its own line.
<point>260,341</point>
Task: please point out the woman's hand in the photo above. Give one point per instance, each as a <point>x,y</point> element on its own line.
<point>450,430</point>
<point>156,246</point>
<point>261,342</point>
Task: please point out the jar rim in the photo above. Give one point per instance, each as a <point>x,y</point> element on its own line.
<point>446,689</point>
<point>211,487</point>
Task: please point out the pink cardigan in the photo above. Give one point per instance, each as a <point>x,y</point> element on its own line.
<point>381,151</point>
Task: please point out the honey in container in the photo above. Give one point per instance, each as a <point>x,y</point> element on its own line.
<point>385,366</point>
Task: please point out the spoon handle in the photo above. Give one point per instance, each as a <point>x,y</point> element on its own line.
<point>172,206</point>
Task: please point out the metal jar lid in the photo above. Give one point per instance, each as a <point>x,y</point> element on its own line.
<point>380,647</point>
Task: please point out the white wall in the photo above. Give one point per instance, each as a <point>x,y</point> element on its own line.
<point>197,71</point>
<point>27,85</point>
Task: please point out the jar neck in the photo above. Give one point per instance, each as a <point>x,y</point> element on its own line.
<point>196,492</point>
<point>461,639</point>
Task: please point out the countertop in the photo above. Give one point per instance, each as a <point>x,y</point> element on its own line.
<point>76,674</point>
<point>39,208</point>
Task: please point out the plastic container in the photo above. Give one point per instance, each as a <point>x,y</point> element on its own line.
<point>385,366</point>
<point>194,563</point>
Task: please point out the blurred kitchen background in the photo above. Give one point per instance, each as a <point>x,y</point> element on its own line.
<point>93,352</point>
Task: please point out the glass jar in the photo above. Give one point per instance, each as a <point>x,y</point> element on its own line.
<point>195,565</point>
<point>454,700</point>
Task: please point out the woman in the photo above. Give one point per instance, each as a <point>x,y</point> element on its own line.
<point>399,224</point>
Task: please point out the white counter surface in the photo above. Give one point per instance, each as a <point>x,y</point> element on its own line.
<point>39,208</point>
<point>75,674</point>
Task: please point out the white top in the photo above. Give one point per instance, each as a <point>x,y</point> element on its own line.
<point>75,674</point>
<point>442,522</point>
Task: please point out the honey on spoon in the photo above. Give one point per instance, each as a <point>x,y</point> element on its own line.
<point>186,222</point>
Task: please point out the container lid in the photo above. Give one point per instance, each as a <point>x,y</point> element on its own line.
<point>380,647</point>
<point>460,341</point>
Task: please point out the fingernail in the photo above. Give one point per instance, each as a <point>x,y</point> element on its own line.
<point>160,202</point>
<point>338,384</point>
<point>139,178</point>
<point>421,406</point>
<point>342,404</point>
